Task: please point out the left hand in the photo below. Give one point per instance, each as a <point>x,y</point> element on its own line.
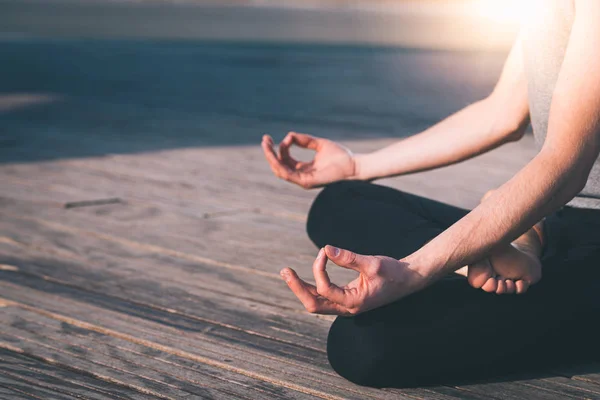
<point>381,281</point>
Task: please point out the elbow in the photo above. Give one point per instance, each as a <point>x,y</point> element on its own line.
<point>510,124</point>
<point>510,131</point>
<point>516,132</point>
<point>573,185</point>
<point>517,125</point>
<point>579,182</point>
<point>573,172</point>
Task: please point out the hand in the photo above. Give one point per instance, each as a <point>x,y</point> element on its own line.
<point>381,281</point>
<point>332,161</point>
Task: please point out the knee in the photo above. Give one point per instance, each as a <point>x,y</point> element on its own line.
<point>324,207</point>
<point>353,356</point>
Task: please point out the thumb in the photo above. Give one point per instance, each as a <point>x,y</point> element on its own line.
<point>347,258</point>
<point>302,140</point>
<point>479,273</point>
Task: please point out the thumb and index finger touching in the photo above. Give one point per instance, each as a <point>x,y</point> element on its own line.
<point>342,258</point>
<point>283,164</point>
<point>281,169</point>
<point>301,140</point>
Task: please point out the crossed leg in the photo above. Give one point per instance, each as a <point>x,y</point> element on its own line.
<point>449,331</point>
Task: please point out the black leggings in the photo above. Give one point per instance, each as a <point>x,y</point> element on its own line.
<point>450,331</point>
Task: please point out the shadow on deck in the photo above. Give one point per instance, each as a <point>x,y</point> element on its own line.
<point>173,291</point>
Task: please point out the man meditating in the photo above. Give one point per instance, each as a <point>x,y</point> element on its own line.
<point>531,248</point>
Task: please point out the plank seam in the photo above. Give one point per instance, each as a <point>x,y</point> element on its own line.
<point>170,311</point>
<point>22,392</point>
<point>162,360</point>
<point>174,351</point>
<point>149,247</point>
<point>104,378</point>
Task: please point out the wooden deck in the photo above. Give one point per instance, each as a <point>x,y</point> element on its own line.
<point>141,232</point>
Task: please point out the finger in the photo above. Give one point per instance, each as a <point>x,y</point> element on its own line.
<point>267,146</point>
<point>510,286</point>
<point>501,289</point>
<point>279,169</point>
<point>267,139</point>
<point>307,294</point>
<point>479,273</point>
<point>300,288</point>
<point>284,151</point>
<point>347,259</point>
<point>302,140</point>
<point>521,286</point>
<point>490,285</point>
<point>324,286</point>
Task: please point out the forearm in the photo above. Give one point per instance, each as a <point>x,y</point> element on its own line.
<point>542,187</point>
<point>465,134</point>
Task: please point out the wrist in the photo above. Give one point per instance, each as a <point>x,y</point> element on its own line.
<point>422,264</point>
<point>358,161</point>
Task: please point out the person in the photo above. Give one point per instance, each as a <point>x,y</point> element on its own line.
<point>531,248</point>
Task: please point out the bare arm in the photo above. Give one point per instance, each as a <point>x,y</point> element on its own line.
<point>548,182</point>
<point>501,117</point>
<point>552,178</point>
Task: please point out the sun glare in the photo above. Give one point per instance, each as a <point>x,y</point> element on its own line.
<point>505,11</point>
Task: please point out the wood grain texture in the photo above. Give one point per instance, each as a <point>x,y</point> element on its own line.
<point>173,291</point>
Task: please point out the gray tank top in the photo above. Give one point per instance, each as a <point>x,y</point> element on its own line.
<point>545,38</point>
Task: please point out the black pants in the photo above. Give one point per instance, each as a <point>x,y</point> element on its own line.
<point>450,331</point>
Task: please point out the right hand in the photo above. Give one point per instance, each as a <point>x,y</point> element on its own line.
<point>332,162</point>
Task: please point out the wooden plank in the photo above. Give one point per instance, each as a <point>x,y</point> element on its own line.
<point>442,393</point>
<point>201,195</point>
<point>561,384</point>
<point>195,346</point>
<point>139,368</point>
<point>150,178</point>
<point>7,392</point>
<point>35,372</point>
<point>292,346</point>
<point>31,389</point>
<point>244,239</point>
<point>146,370</point>
<point>550,388</point>
<point>236,255</point>
<point>589,372</point>
<point>185,228</point>
<point>135,276</point>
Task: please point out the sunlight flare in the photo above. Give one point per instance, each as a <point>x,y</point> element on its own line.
<point>506,11</point>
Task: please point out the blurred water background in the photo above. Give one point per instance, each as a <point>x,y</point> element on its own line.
<point>142,75</point>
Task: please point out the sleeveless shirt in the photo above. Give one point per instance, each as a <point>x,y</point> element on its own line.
<point>545,38</point>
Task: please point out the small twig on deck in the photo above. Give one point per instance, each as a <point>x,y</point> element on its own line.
<point>230,212</point>
<point>91,203</point>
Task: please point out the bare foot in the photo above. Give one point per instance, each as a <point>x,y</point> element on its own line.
<point>511,269</point>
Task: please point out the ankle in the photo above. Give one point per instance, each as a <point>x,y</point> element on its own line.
<point>539,235</point>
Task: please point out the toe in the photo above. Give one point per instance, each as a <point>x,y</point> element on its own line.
<point>501,289</point>
<point>490,285</point>
<point>521,286</point>
<point>479,273</point>
<point>510,286</point>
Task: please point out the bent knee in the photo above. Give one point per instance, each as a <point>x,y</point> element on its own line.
<point>353,356</point>
<point>330,199</point>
